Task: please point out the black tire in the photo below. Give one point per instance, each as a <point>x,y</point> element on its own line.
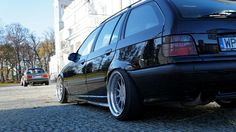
<point>47,83</point>
<point>25,84</point>
<point>60,89</point>
<point>227,104</point>
<point>131,108</point>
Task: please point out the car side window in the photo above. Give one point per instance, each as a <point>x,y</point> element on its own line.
<point>105,35</point>
<point>116,33</point>
<point>88,43</point>
<point>142,18</point>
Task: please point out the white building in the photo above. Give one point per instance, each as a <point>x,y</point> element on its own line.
<point>74,20</point>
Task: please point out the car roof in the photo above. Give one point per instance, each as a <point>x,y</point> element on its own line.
<point>35,68</point>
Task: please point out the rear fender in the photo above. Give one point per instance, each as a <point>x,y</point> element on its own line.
<point>123,65</point>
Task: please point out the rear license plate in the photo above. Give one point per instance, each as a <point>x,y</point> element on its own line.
<point>37,77</point>
<point>227,43</point>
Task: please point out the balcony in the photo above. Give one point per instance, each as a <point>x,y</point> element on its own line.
<point>61,25</point>
<point>65,3</point>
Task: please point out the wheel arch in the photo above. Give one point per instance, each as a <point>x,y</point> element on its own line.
<point>124,66</point>
<point>115,65</point>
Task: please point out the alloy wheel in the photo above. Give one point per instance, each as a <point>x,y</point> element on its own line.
<point>116,93</point>
<point>59,89</point>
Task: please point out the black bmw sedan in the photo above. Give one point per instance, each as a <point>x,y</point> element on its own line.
<point>156,51</point>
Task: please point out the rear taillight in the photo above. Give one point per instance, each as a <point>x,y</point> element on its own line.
<point>178,45</point>
<point>45,75</point>
<point>29,77</point>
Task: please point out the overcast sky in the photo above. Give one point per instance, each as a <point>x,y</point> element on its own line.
<point>37,15</point>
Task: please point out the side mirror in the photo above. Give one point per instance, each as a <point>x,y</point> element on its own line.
<point>73,57</point>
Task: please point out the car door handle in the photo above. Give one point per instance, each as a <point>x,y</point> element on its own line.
<point>82,61</point>
<point>108,51</point>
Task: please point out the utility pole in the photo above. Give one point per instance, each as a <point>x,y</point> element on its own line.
<point>121,5</point>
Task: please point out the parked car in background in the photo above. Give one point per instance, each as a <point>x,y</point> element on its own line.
<point>34,76</point>
<point>156,51</point>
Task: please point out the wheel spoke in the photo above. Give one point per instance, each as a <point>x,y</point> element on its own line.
<point>59,89</point>
<point>119,84</point>
<point>117,91</point>
<point>117,97</point>
<point>122,105</point>
<point>118,102</point>
<point>117,94</point>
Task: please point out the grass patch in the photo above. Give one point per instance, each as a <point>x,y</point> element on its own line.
<point>8,84</point>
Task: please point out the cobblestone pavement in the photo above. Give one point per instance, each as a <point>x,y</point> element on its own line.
<point>35,108</point>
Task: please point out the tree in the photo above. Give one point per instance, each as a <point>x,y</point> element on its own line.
<point>27,55</point>
<point>20,50</point>
<point>1,35</point>
<point>35,42</point>
<point>46,48</point>
<point>17,35</point>
<point>1,55</point>
<point>2,63</point>
<point>7,61</point>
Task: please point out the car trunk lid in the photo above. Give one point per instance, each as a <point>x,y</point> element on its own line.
<point>215,39</point>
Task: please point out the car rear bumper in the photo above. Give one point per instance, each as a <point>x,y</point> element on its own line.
<point>175,80</point>
<point>40,80</point>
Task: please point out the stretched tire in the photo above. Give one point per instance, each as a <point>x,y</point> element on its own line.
<point>61,91</point>
<point>47,83</point>
<point>123,98</point>
<point>227,103</point>
<point>25,84</point>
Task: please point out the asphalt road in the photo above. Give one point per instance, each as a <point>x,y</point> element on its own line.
<point>35,108</point>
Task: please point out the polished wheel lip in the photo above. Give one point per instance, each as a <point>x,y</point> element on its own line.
<point>226,101</point>
<point>116,93</point>
<point>59,90</point>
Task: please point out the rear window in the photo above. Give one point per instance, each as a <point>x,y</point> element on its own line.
<point>36,70</point>
<point>139,20</point>
<point>206,8</point>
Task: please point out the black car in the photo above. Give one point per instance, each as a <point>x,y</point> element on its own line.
<point>156,51</point>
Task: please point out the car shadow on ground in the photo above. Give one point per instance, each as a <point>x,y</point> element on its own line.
<point>85,116</point>
<point>40,85</point>
<point>175,113</point>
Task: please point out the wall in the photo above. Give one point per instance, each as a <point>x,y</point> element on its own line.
<point>74,20</point>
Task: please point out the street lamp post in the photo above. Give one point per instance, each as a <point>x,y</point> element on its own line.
<point>121,5</point>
